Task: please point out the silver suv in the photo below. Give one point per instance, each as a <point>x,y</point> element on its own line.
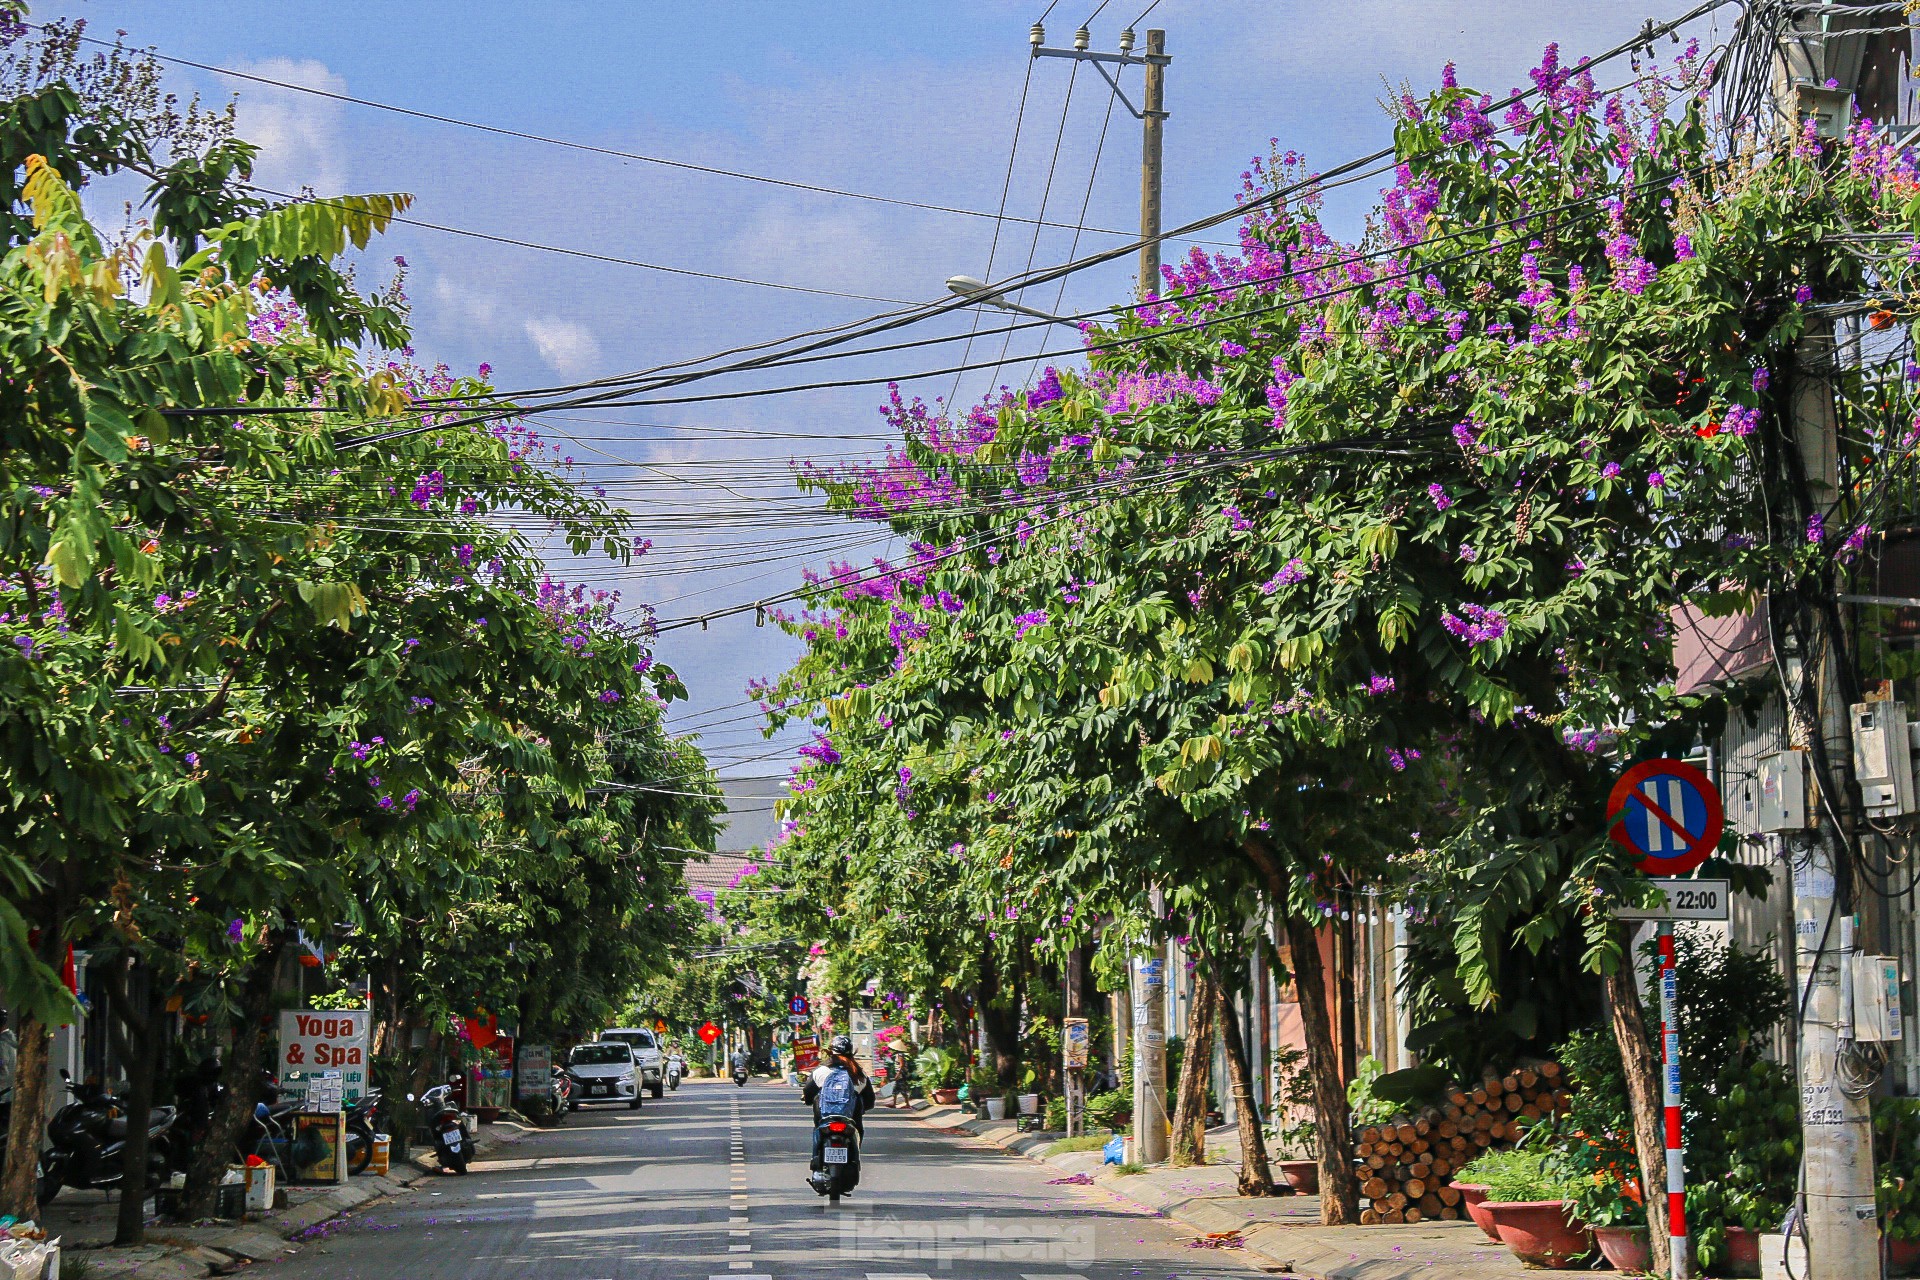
<point>646,1055</point>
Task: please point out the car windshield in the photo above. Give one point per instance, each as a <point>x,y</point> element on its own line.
<point>638,1039</point>
<point>600,1055</point>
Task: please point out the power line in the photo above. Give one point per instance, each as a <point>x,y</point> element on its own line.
<point>568,143</point>
<point>588,254</point>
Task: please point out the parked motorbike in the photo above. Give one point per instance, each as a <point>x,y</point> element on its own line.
<point>363,1119</point>
<point>559,1095</point>
<point>443,1122</point>
<point>86,1140</point>
<point>839,1142</point>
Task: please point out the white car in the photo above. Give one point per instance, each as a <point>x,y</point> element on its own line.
<point>604,1071</point>
<point>646,1052</point>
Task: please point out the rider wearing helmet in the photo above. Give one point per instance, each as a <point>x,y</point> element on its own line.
<point>840,1086</point>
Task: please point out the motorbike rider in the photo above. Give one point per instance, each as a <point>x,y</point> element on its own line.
<point>840,1085</point>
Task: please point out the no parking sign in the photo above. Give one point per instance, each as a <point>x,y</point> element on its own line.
<point>1667,814</point>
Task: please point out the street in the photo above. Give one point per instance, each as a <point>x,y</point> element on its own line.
<point>708,1182</point>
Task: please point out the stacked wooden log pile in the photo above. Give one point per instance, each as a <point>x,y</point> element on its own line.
<point>1406,1165</point>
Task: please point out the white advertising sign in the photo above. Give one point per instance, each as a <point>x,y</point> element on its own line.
<point>322,1044</point>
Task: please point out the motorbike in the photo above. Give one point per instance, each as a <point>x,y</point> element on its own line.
<point>443,1122</point>
<point>86,1139</point>
<point>676,1067</point>
<point>740,1075</point>
<point>839,1141</point>
<point>363,1121</point>
<point>559,1095</point>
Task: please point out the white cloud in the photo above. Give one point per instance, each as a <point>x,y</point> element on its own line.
<point>565,346</point>
<point>300,136</point>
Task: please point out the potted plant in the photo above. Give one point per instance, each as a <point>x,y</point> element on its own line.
<point>983,1089</point>
<point>1750,1138</point>
<point>1896,1168</point>
<point>1292,1126</point>
<point>940,1070</point>
<point>1529,1201</point>
<point>1594,1142</point>
<point>1471,1182</point>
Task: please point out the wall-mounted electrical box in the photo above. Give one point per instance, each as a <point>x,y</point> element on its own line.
<point>1876,998</point>
<point>1883,757</point>
<point>1782,781</point>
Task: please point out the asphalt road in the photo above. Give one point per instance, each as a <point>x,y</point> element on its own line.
<point>709,1182</point>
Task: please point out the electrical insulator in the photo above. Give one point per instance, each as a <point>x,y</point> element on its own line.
<point>1126,40</point>
<point>1037,36</point>
<point>1082,38</point>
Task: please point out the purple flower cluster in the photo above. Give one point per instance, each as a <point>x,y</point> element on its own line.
<point>1438,492</point>
<point>1294,570</point>
<point>1130,392</point>
<point>1475,624</point>
<point>1378,684</point>
<point>1046,390</point>
<point>428,487</point>
<point>1026,622</point>
<point>1739,419</point>
<point>821,750</point>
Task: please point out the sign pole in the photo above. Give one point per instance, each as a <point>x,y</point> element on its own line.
<point>1670,1099</point>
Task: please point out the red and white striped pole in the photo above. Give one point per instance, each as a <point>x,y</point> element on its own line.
<point>1670,1099</point>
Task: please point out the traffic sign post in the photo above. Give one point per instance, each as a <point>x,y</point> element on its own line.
<point>1667,815</point>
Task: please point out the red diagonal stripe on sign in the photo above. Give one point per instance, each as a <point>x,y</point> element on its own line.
<point>1664,816</point>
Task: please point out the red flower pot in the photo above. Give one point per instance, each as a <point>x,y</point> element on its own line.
<point>1624,1248</point>
<point>1473,1198</point>
<point>946,1097</point>
<point>1302,1175</point>
<point>1743,1254</point>
<point>1539,1232</point>
<point>1903,1257</point>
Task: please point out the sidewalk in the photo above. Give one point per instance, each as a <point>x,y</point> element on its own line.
<point>1282,1234</point>
<point>84,1223</point>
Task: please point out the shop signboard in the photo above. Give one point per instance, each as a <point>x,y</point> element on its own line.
<point>322,1044</point>
<point>534,1070</point>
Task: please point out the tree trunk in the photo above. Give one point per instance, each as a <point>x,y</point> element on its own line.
<point>239,1082</point>
<point>1256,1179</point>
<point>1641,1066</point>
<point>140,1012</point>
<point>19,1184</point>
<point>1190,1106</point>
<point>1339,1189</point>
<point>1000,1019</point>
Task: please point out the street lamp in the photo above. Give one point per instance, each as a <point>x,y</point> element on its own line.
<point>979,291</point>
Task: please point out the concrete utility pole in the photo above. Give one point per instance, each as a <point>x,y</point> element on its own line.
<point>1816,74</point>
<point>1153,121</point>
<point>1152,115</point>
<point>1148,971</point>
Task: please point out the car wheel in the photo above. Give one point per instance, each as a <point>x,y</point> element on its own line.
<point>657,1090</point>
<point>635,1104</point>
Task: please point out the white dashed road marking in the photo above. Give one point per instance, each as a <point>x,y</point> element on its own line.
<point>737,1203</point>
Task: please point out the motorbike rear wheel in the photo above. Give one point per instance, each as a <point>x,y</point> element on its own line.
<point>359,1147</point>
<point>48,1184</point>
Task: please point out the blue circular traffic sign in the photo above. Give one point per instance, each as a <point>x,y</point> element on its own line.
<point>1667,814</point>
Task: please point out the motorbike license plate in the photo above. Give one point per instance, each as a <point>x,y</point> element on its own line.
<point>835,1155</point>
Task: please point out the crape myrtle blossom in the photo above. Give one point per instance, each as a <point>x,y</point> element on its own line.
<point>1475,624</point>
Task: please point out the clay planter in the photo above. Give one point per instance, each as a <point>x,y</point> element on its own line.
<point>946,1097</point>
<point>1302,1175</point>
<point>1473,1198</point>
<point>1743,1254</point>
<point>1903,1257</point>
<point>1624,1248</point>
<point>1537,1232</point>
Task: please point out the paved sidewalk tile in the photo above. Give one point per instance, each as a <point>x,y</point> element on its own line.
<point>1282,1232</point>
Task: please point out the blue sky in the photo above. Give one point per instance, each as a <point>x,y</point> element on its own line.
<point>912,100</point>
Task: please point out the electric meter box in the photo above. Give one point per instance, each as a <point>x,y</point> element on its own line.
<point>1782,779</point>
<point>1876,998</point>
<point>1882,757</point>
